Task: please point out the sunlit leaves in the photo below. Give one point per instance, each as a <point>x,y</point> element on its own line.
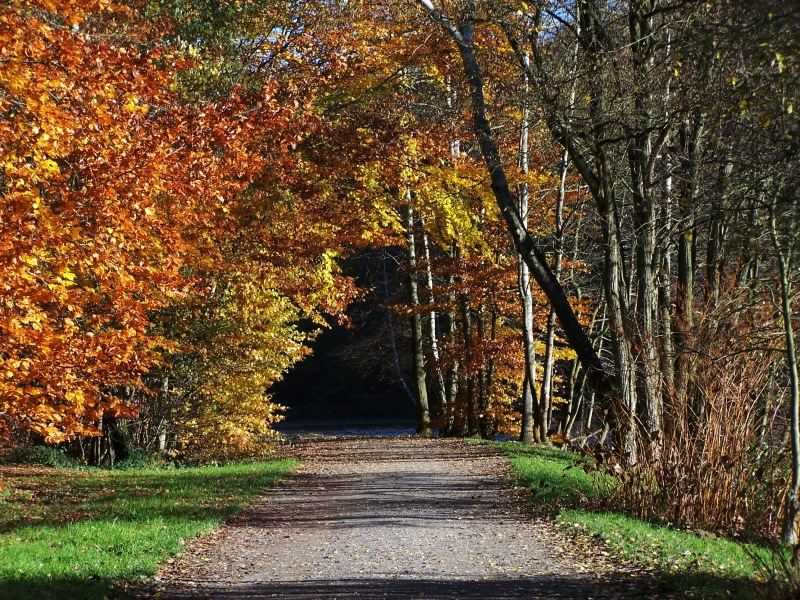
<point>105,217</point>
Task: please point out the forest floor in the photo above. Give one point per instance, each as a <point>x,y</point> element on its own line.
<point>397,518</point>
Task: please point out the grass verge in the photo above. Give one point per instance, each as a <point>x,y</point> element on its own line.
<point>74,533</point>
<point>692,565</point>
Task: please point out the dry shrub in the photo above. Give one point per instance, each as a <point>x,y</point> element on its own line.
<point>779,574</point>
<point>718,466</point>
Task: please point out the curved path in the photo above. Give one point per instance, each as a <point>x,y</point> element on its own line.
<point>398,518</point>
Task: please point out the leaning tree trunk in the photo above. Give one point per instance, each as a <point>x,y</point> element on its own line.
<point>526,246</point>
<point>423,412</point>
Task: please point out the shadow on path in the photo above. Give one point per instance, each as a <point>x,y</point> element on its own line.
<point>400,518</point>
<point>374,589</point>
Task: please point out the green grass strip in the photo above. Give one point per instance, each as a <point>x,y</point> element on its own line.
<point>693,565</point>
<point>72,533</point>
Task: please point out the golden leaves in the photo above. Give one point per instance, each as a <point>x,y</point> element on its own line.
<point>103,219</point>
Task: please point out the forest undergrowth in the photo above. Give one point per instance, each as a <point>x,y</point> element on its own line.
<point>585,501</point>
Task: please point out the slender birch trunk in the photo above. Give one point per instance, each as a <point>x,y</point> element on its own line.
<point>441,389</point>
<point>546,400</point>
<point>532,422</point>
<point>466,318</point>
<point>664,259</point>
<point>423,411</point>
<point>791,532</point>
<point>483,392</point>
<point>452,389</point>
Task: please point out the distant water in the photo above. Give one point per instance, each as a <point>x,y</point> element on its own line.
<point>372,428</point>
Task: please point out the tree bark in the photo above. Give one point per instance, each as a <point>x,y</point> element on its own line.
<point>423,411</point>
<point>644,214</point>
<point>690,135</point>
<point>594,166</point>
<point>452,389</point>
<point>441,389</point>
<point>466,318</point>
<point>546,399</point>
<point>716,236</point>
<point>531,415</point>
<point>791,532</point>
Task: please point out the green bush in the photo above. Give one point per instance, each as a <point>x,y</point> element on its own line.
<point>142,459</point>
<point>48,456</point>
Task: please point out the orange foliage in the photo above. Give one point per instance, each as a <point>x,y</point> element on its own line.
<point>113,195</point>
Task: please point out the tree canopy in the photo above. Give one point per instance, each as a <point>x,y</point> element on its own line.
<point>580,217</point>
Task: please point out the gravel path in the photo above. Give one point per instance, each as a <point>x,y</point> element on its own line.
<point>400,518</point>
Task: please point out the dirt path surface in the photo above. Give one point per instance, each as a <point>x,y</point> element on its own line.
<point>391,518</point>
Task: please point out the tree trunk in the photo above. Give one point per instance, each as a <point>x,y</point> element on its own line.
<point>791,532</point>
<point>664,286</point>
<point>162,427</point>
<point>531,428</point>
<point>644,215</point>
<point>491,424</point>
<point>466,317</point>
<point>483,377</point>
<point>716,236</point>
<point>575,390</point>
<point>441,389</point>
<point>664,257</point>
<point>546,399</point>
<point>452,389</point>
<point>690,135</point>
<point>423,412</point>
<point>524,243</point>
<point>574,401</point>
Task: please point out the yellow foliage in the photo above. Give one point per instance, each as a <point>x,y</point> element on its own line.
<point>254,341</point>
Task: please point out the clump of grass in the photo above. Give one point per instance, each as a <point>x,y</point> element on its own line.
<point>692,564</point>
<point>74,533</point>
<point>697,566</point>
<point>780,573</point>
<point>555,477</point>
